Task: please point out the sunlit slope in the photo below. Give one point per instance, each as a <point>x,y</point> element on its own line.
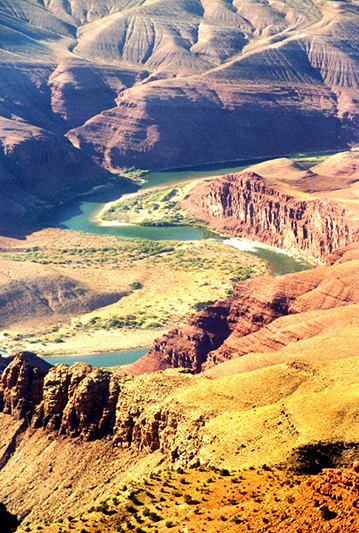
<point>263,415</point>
<point>299,414</point>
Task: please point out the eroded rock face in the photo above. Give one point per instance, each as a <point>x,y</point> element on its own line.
<point>249,320</point>
<point>242,205</point>
<point>21,387</point>
<point>78,401</point>
<point>86,402</point>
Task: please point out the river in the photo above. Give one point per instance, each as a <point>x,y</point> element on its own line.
<point>124,357</point>
<point>80,215</point>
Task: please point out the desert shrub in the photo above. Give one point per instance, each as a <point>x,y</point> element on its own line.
<point>102,508</point>
<point>199,306</point>
<point>224,472</point>
<point>327,514</point>
<point>154,516</point>
<point>133,497</point>
<point>135,285</point>
<point>154,324</point>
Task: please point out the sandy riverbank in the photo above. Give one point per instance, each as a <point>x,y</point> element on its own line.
<point>153,188</point>
<point>97,342</point>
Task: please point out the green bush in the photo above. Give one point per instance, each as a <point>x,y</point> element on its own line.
<point>154,516</point>
<point>224,472</point>
<point>135,285</point>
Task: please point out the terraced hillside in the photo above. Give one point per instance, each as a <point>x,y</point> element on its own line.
<point>157,84</point>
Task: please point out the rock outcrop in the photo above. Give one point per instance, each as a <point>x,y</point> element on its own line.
<point>251,320</point>
<point>77,401</point>
<point>243,205</point>
<point>90,403</point>
<point>21,386</point>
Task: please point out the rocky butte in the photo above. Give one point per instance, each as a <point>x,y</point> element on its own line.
<point>244,206</point>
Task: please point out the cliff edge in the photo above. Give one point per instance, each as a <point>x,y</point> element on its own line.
<point>244,205</point>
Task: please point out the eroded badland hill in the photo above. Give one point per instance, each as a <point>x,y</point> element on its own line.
<point>93,85</point>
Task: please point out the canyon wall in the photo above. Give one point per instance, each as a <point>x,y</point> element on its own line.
<point>243,205</point>
<point>263,315</point>
<point>90,403</point>
<point>167,85</point>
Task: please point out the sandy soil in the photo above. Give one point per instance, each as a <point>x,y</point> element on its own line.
<point>172,278</point>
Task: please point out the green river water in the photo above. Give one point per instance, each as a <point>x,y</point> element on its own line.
<point>80,215</point>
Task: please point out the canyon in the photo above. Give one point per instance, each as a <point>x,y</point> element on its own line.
<point>273,314</point>
<point>90,87</point>
<point>242,205</point>
<point>268,375</point>
<point>266,378</point>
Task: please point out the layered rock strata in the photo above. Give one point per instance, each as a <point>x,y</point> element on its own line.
<point>164,85</point>
<point>86,402</point>
<point>263,315</point>
<point>243,205</point>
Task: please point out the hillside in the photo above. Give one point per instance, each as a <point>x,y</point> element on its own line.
<point>72,436</point>
<point>117,84</point>
<point>214,499</point>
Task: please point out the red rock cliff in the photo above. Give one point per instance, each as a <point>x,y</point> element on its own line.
<point>263,315</point>
<point>90,403</point>
<point>242,205</point>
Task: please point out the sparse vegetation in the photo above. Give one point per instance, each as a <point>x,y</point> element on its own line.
<point>161,207</point>
<point>192,276</point>
<point>230,506</point>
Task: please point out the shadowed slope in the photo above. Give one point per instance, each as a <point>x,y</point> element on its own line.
<point>178,83</point>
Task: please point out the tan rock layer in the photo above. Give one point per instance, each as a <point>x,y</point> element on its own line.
<point>86,402</point>
<point>244,206</point>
